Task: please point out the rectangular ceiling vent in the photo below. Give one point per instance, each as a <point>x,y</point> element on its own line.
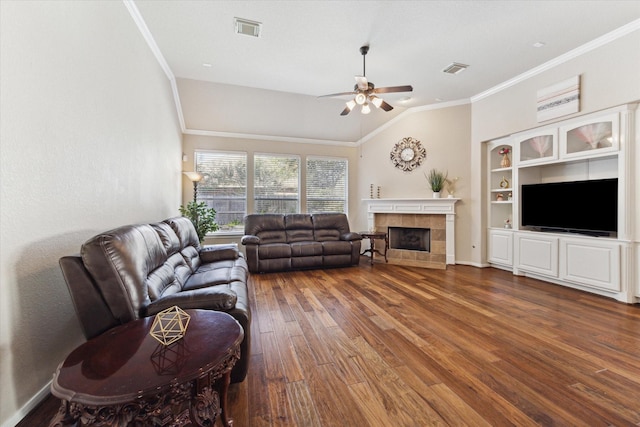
<point>455,68</point>
<point>247,27</point>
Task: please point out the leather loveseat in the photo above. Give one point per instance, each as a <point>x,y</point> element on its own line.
<point>280,242</point>
<point>136,271</point>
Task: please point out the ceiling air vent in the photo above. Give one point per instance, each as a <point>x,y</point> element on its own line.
<point>455,68</point>
<point>248,28</point>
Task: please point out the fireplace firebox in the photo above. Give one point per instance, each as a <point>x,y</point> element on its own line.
<point>410,238</point>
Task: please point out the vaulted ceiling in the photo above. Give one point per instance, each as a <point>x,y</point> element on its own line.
<point>236,83</point>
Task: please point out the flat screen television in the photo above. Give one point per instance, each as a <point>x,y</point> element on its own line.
<point>588,207</point>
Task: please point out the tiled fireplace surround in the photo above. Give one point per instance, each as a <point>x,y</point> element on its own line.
<point>435,214</point>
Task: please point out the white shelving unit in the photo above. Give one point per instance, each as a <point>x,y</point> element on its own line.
<point>595,146</point>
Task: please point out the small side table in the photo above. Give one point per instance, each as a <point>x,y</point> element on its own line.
<point>125,377</point>
<point>372,236</point>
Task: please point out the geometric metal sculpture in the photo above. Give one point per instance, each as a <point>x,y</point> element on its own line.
<point>170,325</point>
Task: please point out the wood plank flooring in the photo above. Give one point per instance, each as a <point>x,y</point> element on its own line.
<point>389,345</point>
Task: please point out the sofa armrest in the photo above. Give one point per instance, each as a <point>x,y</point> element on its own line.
<point>219,298</point>
<point>350,236</point>
<point>250,240</point>
<point>212,253</point>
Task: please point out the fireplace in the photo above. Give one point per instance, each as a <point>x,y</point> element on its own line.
<point>435,215</point>
<point>410,238</point>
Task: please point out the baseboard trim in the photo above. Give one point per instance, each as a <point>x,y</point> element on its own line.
<point>29,406</point>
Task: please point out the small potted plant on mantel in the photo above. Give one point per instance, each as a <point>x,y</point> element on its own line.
<point>436,180</point>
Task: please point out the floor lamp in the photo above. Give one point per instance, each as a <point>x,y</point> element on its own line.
<point>194,177</point>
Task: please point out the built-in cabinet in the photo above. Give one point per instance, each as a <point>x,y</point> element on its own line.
<point>595,146</point>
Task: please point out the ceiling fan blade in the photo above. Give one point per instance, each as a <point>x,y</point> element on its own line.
<point>346,111</point>
<point>361,82</point>
<point>407,88</point>
<point>385,106</point>
<point>337,94</point>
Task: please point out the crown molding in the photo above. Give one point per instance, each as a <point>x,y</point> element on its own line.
<point>146,34</point>
<point>581,50</point>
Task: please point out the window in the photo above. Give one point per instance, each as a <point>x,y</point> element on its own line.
<point>224,186</point>
<point>326,185</point>
<point>276,183</point>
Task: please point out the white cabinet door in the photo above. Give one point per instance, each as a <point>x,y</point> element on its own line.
<point>591,263</point>
<point>501,247</point>
<point>537,253</point>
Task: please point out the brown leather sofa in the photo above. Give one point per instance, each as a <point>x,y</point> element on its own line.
<point>136,271</point>
<point>281,242</point>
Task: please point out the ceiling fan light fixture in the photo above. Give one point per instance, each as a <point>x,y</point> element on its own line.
<point>351,104</point>
<point>376,101</point>
<point>361,98</point>
<point>366,109</point>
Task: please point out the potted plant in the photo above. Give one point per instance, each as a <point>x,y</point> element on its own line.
<point>202,217</point>
<point>436,180</point>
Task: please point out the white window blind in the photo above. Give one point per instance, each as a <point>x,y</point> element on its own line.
<point>224,186</point>
<point>276,183</point>
<point>326,185</point>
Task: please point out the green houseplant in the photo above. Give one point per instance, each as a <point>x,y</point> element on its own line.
<point>436,180</point>
<point>202,217</point>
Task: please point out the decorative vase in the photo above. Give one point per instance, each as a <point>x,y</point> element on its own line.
<point>506,162</point>
<point>436,194</point>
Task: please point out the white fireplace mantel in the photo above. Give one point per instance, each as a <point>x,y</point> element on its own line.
<point>444,206</point>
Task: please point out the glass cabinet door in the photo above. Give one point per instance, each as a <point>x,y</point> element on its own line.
<point>537,147</point>
<point>588,138</point>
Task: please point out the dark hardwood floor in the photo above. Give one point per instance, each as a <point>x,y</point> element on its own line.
<point>389,345</point>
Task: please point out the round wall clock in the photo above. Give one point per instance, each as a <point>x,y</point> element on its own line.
<point>408,154</point>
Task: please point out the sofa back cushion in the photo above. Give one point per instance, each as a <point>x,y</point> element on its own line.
<point>122,262</point>
<point>270,228</point>
<point>189,242</point>
<point>298,228</point>
<point>174,273</point>
<point>330,226</point>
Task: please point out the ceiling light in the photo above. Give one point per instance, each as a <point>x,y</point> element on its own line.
<point>366,109</point>
<point>376,101</point>
<point>455,68</point>
<point>207,65</point>
<point>539,44</point>
<point>405,99</point>
<point>351,104</point>
<point>361,98</point>
<point>247,27</point>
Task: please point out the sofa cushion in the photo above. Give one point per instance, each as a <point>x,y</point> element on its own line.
<point>189,242</point>
<point>212,253</point>
<point>336,248</point>
<point>298,228</point>
<point>120,262</point>
<point>219,297</point>
<point>304,249</point>
<point>274,251</point>
<point>214,277</point>
<point>329,226</point>
<point>269,228</point>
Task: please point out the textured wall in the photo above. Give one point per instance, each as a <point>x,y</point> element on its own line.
<point>89,141</point>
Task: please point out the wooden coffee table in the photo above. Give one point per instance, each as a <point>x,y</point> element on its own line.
<point>125,377</point>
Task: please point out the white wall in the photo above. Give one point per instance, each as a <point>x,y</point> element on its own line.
<point>445,133</point>
<point>89,141</point>
<point>610,76</point>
